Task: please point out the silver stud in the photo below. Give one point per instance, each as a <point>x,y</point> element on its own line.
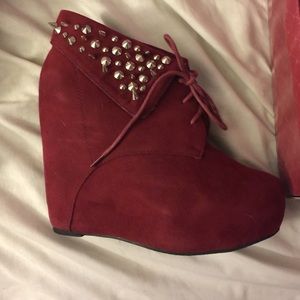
<point>132,87</point>
<point>130,66</point>
<point>156,57</point>
<point>64,24</point>
<point>143,78</point>
<point>126,44</point>
<point>102,33</point>
<point>114,38</point>
<point>83,37</point>
<point>95,44</point>
<point>86,29</point>
<point>147,52</point>
<point>137,48</point>
<point>119,75</point>
<point>142,88</point>
<point>65,34</point>
<point>105,49</point>
<point>127,55</point>
<point>76,26</point>
<point>52,24</point>
<point>118,63</point>
<point>151,64</point>
<point>122,87</point>
<point>105,62</point>
<point>81,49</point>
<point>160,67</point>
<point>141,68</point>
<point>152,72</point>
<point>139,57</point>
<point>116,51</point>
<point>132,76</point>
<point>71,40</point>
<point>57,29</point>
<point>91,56</point>
<point>166,60</point>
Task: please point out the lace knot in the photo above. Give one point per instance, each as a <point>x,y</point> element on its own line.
<point>191,78</point>
<point>188,77</point>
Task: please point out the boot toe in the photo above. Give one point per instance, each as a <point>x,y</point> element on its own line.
<point>179,204</point>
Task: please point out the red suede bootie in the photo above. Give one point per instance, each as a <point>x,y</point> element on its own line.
<point>124,128</point>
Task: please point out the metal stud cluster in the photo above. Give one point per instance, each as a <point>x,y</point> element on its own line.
<point>140,65</point>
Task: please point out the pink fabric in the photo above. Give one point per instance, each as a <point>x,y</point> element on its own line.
<point>285,40</point>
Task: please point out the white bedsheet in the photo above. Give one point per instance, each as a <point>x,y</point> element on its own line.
<point>227,43</point>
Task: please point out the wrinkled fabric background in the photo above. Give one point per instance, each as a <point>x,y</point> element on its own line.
<point>227,42</point>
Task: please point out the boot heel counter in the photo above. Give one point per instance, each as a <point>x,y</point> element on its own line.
<point>62,132</point>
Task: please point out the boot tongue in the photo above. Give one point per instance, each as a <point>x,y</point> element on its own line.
<point>122,67</point>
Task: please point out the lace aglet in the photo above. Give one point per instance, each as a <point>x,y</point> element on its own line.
<point>196,116</point>
<point>224,126</point>
<point>187,98</point>
<point>221,124</point>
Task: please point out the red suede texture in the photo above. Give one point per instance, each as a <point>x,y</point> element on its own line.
<point>178,203</point>
<point>163,187</point>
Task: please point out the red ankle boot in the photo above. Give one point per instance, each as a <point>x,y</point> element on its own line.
<point>124,128</point>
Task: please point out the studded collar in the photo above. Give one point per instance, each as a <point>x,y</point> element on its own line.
<point>122,67</point>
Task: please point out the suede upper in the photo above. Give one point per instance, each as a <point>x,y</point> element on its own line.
<point>162,186</point>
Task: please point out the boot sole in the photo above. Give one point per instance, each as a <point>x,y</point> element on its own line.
<point>76,234</point>
<point>65,232</point>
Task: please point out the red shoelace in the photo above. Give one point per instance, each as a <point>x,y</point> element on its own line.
<point>187,77</point>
